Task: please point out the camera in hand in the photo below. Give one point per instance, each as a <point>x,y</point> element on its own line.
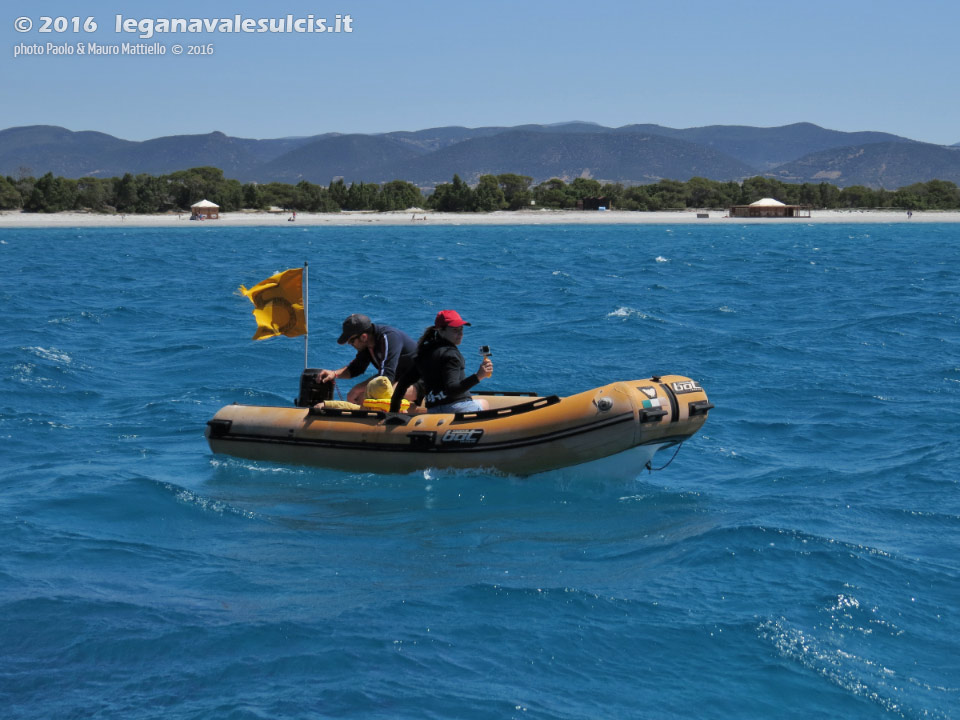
<point>485,351</point>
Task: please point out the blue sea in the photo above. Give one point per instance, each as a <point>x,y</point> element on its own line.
<point>799,558</point>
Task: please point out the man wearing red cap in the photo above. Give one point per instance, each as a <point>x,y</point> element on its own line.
<point>441,367</point>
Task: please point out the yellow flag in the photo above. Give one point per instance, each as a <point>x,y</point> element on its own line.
<point>278,305</point>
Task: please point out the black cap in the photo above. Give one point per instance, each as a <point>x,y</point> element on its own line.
<point>354,325</point>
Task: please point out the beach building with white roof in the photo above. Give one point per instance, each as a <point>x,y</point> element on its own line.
<point>205,210</point>
<point>769,207</point>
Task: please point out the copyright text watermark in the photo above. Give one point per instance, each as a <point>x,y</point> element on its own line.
<point>153,27</point>
<point>76,49</point>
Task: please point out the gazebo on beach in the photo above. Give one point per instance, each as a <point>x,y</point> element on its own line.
<point>204,210</point>
<point>770,208</point>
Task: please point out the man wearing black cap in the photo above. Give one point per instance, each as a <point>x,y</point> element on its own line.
<point>390,350</point>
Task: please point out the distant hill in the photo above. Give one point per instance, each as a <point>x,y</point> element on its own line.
<point>167,154</point>
<point>355,158</point>
<point>765,148</point>
<point>627,158</point>
<point>632,154</point>
<point>46,148</point>
<point>888,165</point>
<point>439,138</point>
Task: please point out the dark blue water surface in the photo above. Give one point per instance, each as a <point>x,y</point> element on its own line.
<point>799,558</point>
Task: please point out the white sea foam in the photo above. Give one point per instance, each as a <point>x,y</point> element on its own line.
<point>845,601</point>
<point>26,373</point>
<point>624,311</point>
<point>235,463</point>
<point>218,506</point>
<point>51,354</point>
<point>857,675</point>
<point>661,258</point>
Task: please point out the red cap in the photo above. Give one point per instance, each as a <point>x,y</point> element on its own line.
<point>449,318</point>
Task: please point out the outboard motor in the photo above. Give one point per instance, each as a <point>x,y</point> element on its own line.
<point>312,390</point>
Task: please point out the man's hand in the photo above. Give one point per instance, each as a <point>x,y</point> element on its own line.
<point>327,375</point>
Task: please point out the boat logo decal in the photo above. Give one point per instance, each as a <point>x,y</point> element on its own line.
<point>687,386</point>
<point>648,391</point>
<point>462,437</point>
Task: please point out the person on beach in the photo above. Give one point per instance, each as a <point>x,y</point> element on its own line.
<point>441,368</point>
<point>390,350</point>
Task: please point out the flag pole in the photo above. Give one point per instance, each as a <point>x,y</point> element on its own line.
<point>306,311</point>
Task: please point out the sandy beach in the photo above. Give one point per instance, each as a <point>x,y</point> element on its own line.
<point>13,219</point>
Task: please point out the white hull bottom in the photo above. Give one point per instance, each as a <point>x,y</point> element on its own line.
<point>626,465</point>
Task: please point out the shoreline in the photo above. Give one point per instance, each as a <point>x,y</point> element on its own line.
<point>361,218</point>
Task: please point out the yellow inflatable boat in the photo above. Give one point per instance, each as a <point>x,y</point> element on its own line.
<point>521,433</point>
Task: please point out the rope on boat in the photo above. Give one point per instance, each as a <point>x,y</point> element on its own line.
<point>653,469</point>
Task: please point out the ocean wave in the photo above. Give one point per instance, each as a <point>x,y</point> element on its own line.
<point>796,551</point>
<point>190,498</point>
<point>855,674</point>
<point>251,466</point>
<point>628,312</point>
<point>52,354</point>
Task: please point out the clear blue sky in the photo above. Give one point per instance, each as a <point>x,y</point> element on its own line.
<point>413,64</point>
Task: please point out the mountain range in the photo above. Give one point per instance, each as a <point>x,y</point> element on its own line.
<point>632,154</point>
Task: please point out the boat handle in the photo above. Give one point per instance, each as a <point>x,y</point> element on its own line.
<point>700,407</point>
<point>219,428</point>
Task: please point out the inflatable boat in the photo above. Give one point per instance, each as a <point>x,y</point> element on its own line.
<point>521,433</point>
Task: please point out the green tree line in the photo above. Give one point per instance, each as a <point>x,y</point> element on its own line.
<point>178,191</point>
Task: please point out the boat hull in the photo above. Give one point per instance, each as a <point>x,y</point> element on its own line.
<point>519,436</point>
